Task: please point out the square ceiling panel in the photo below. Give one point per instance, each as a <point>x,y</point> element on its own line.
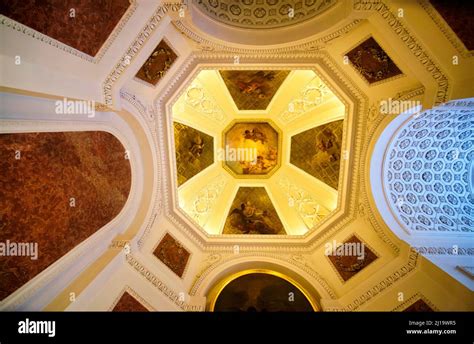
<point>351,257</point>
<point>253,89</point>
<point>372,61</point>
<point>157,64</point>
<point>172,254</point>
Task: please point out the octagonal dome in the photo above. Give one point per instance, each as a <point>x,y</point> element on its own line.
<point>239,139</point>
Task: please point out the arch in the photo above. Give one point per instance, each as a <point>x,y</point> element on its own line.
<point>26,113</point>
<point>420,181</point>
<point>315,288</point>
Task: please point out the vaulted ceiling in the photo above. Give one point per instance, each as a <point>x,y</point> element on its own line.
<point>291,125</point>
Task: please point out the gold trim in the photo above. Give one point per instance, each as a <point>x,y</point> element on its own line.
<point>216,290</point>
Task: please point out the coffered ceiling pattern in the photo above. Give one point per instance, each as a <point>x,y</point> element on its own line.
<point>263,14</point>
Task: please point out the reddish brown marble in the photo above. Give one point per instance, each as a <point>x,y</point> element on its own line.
<point>128,303</point>
<point>372,61</point>
<point>94,20</point>
<point>36,190</point>
<point>419,306</point>
<point>172,254</point>
<point>349,265</point>
<point>459,15</point>
<point>157,64</point>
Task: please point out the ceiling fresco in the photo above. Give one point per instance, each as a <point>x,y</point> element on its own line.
<point>84,25</point>
<point>157,64</point>
<point>172,254</point>
<point>260,292</point>
<point>253,89</point>
<point>56,190</point>
<point>257,14</point>
<point>217,155</point>
<point>317,151</point>
<point>372,62</point>
<point>252,148</point>
<point>252,212</point>
<point>194,151</point>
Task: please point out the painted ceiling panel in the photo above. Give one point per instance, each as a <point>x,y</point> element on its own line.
<point>252,212</point>
<point>317,151</point>
<point>194,151</point>
<point>372,62</point>
<point>84,25</point>
<point>259,15</point>
<point>157,64</point>
<point>56,190</point>
<point>172,254</point>
<point>253,89</point>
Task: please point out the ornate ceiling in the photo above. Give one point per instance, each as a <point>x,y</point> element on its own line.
<point>245,172</point>
<point>263,14</point>
<point>306,102</point>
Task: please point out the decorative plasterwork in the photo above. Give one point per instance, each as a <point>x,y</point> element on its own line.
<point>207,44</point>
<point>308,98</point>
<point>385,283</point>
<point>372,122</point>
<point>257,14</point>
<point>411,42</point>
<point>215,260</point>
<point>16,26</point>
<point>199,98</point>
<point>310,210</point>
<point>426,172</point>
<point>201,206</point>
<point>210,59</point>
<point>160,285</point>
<point>133,50</point>
<point>172,253</point>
